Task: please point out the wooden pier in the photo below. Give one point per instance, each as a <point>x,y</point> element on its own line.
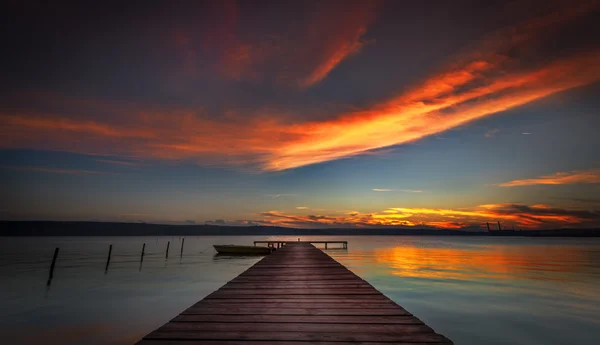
<point>279,244</point>
<point>297,295</point>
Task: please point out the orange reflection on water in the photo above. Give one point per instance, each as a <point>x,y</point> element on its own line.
<point>494,262</point>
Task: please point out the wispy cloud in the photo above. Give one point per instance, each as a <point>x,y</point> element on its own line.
<point>491,133</point>
<point>579,200</point>
<point>57,171</point>
<point>302,207</point>
<point>328,34</point>
<point>275,196</point>
<point>117,162</point>
<point>397,190</point>
<point>521,216</point>
<point>133,215</point>
<point>572,177</point>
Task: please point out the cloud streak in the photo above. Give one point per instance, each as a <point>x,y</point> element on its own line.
<point>57,171</point>
<point>397,190</point>
<point>329,33</point>
<point>560,178</point>
<point>430,109</point>
<point>520,216</point>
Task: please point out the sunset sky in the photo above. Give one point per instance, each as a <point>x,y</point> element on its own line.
<point>436,114</point>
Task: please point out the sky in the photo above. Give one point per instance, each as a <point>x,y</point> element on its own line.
<point>311,114</point>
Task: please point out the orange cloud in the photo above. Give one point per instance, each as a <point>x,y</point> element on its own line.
<point>573,177</point>
<point>64,124</point>
<point>520,216</point>
<point>483,82</point>
<point>330,33</point>
<point>429,110</point>
<point>332,38</point>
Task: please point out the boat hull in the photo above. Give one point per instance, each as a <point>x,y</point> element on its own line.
<point>241,250</point>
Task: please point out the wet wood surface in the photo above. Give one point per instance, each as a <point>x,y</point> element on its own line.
<point>298,295</point>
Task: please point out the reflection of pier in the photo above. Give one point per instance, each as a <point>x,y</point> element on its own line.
<point>297,295</point>
<point>279,244</point>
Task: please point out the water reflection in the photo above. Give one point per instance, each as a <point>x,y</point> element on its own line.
<point>491,291</point>
<point>490,262</point>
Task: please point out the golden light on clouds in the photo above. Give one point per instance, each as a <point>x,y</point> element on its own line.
<point>560,178</point>
<point>483,81</point>
<point>520,216</point>
<point>429,109</point>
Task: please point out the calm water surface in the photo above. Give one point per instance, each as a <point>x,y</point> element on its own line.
<point>473,290</point>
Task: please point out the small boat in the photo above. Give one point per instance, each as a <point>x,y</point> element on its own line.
<point>232,249</point>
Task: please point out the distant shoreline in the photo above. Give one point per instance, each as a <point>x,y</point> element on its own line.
<point>62,228</point>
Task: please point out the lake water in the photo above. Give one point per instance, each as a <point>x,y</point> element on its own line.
<point>479,290</point>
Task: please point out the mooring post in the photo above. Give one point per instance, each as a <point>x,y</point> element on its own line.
<point>499,228</point>
<point>325,245</point>
<point>108,259</point>
<point>52,266</point>
<point>167,254</point>
<point>182,242</point>
<point>143,250</point>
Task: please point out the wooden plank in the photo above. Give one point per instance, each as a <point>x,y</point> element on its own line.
<point>206,310</point>
<point>224,294</point>
<point>299,327</point>
<point>297,336</point>
<point>308,264</point>
<point>292,305</point>
<point>301,278</point>
<point>349,319</point>
<point>355,285</point>
<point>286,299</point>
<point>355,291</point>
<point>276,342</point>
<point>303,282</point>
<point>293,273</point>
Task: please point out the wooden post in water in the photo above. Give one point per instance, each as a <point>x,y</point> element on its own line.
<point>182,242</point>
<point>52,266</point>
<point>167,254</point>
<point>325,245</point>
<point>488,226</point>
<point>108,259</point>
<point>142,257</point>
<point>499,227</point>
